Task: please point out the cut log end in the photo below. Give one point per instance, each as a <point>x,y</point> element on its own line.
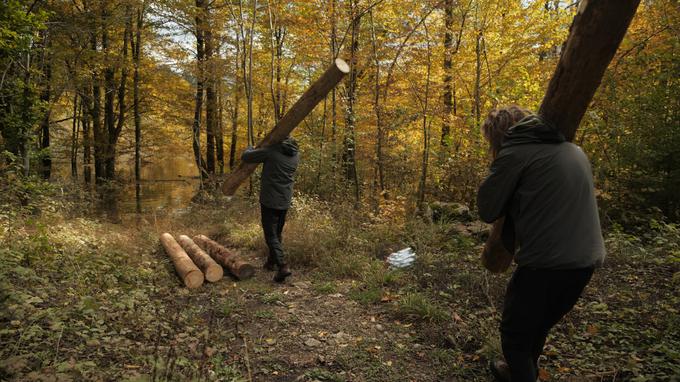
<point>214,273</point>
<point>193,279</point>
<point>342,65</point>
<point>244,271</point>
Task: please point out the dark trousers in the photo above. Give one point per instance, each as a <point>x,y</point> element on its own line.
<point>273,221</point>
<point>536,299</point>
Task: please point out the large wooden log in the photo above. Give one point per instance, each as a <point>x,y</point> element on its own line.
<point>212,271</point>
<point>594,36</point>
<point>191,276</point>
<point>330,78</point>
<point>237,266</point>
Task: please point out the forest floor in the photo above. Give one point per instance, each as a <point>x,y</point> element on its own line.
<point>86,299</point>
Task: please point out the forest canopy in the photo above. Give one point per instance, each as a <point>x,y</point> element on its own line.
<point>95,89</point>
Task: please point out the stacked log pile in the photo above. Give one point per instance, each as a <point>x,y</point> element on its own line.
<point>202,259</point>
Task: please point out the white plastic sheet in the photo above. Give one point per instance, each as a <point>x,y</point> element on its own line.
<point>402,258</point>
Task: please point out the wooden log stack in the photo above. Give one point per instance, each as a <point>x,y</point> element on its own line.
<point>238,267</point>
<point>213,271</point>
<point>191,276</point>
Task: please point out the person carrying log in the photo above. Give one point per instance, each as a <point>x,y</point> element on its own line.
<point>276,190</point>
<point>540,190</point>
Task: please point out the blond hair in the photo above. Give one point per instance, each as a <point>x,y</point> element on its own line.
<point>497,122</point>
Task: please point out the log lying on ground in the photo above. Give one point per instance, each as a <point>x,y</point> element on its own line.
<point>328,80</point>
<point>186,269</point>
<point>238,267</point>
<point>213,271</point>
<point>594,36</point>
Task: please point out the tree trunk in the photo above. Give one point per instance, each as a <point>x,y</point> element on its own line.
<point>211,97</point>
<point>380,167</point>
<point>426,131</point>
<point>219,134</point>
<point>87,136</point>
<point>594,36</point>
<point>239,268</point>
<point>191,276</point>
<point>212,271</point>
<point>114,134</point>
<point>109,97</point>
<point>74,137</point>
<point>46,158</point>
<point>98,146</point>
<point>478,76</point>
<point>199,90</point>
<point>448,77</point>
<point>328,80</point>
<point>234,113</point>
<point>349,141</point>
<point>136,51</point>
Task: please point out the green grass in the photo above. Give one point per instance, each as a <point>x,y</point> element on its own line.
<point>419,306</point>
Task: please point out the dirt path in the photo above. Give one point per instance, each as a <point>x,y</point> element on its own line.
<point>305,330</point>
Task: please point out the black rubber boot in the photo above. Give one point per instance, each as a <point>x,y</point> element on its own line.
<point>500,370</point>
<point>282,273</point>
<point>269,265</point>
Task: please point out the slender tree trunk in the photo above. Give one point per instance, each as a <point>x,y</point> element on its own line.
<point>219,135</point>
<point>380,167</point>
<point>24,147</point>
<point>136,56</point>
<point>211,96</point>
<point>86,107</point>
<point>334,109</point>
<point>109,97</point>
<point>426,130</point>
<point>46,158</point>
<point>74,137</point>
<point>349,143</point>
<point>448,75</point>
<point>234,112</point>
<point>200,58</point>
<point>98,136</point>
<point>478,74</point>
<point>120,122</point>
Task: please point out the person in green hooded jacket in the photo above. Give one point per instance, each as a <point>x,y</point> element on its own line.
<point>280,162</point>
<point>543,187</point>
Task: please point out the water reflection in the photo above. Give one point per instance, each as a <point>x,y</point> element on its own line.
<point>169,182</point>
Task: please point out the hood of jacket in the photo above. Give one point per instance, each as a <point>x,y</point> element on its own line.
<point>532,129</point>
<point>289,146</point>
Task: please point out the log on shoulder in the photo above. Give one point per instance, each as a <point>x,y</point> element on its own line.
<point>319,89</point>
<point>238,267</point>
<point>191,276</point>
<point>594,37</point>
<point>213,271</point>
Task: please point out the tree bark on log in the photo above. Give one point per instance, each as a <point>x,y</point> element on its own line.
<point>238,267</point>
<point>213,272</point>
<point>290,120</point>
<point>594,37</point>
<point>191,276</point>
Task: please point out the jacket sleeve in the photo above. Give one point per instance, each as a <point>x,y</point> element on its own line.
<point>252,155</point>
<point>499,186</point>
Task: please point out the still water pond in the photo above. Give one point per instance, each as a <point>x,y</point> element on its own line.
<point>169,182</point>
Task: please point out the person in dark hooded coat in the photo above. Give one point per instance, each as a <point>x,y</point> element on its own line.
<point>543,187</point>
<point>276,190</point>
